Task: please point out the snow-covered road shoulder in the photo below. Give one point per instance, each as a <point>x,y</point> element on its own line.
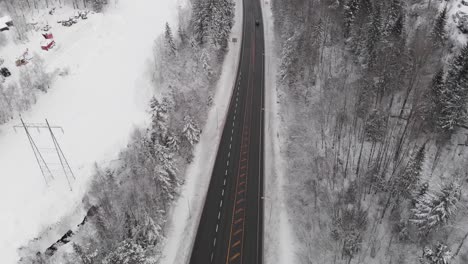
<point>278,240</point>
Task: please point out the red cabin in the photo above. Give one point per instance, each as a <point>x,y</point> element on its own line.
<point>48,35</point>
<point>47,44</point>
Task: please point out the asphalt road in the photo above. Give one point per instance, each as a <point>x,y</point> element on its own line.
<point>231,226</point>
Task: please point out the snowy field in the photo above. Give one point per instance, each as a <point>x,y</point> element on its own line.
<point>98,104</point>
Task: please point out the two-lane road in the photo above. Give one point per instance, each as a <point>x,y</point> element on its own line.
<point>231,226</point>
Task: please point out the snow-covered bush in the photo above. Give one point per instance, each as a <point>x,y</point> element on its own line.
<point>16,98</point>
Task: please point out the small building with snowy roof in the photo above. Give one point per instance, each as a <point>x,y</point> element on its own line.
<point>5,23</point>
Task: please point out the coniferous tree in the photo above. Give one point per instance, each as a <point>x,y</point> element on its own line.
<point>374,37</point>
<point>398,28</point>
<point>375,126</point>
<point>148,233</point>
<point>434,104</point>
<point>171,142</point>
<point>200,20</point>
<point>439,33</point>
<point>435,209</point>
<point>351,8</point>
<point>127,252</point>
<point>212,22</point>
<point>454,95</point>
<point>82,254</point>
<point>182,36</point>
<point>409,178</point>
<point>226,8</point>
<point>169,40</point>
<point>159,117</point>
<point>441,254</point>
<point>394,15</point>
<point>98,5</point>
<point>191,131</point>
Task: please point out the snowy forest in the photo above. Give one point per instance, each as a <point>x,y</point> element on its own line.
<point>129,203</point>
<point>373,108</point>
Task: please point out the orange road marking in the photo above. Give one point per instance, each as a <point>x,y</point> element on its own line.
<point>235,244</point>
<point>238,221</point>
<point>239,210</point>
<point>237,232</point>
<point>234,257</point>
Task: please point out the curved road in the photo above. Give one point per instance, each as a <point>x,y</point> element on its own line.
<point>231,226</point>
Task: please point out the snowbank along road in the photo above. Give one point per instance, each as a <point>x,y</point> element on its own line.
<point>231,226</point>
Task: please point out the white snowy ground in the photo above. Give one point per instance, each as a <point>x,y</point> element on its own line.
<point>453,7</point>
<point>98,104</point>
<point>187,211</point>
<point>279,244</point>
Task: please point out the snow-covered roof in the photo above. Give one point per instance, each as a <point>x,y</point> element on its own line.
<point>5,20</point>
<point>46,42</point>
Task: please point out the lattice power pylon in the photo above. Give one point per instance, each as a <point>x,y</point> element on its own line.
<point>43,165</point>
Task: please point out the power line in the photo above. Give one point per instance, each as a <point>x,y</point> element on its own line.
<point>43,165</point>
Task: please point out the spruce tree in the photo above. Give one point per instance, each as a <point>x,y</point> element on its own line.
<point>127,252</point>
<point>375,126</point>
<point>439,33</point>
<point>169,41</point>
<point>409,178</point>
<point>374,36</point>
<point>454,95</point>
<point>398,28</point>
<point>191,131</point>
<point>182,36</point>
<point>441,254</point>
<point>351,8</point>
<point>200,20</point>
<point>159,118</point>
<point>433,210</point>
<point>221,22</point>
<point>394,15</point>
<point>434,99</point>
<point>98,5</point>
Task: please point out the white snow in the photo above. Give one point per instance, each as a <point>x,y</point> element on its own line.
<point>187,211</point>
<point>98,105</point>
<point>279,245</point>
<point>453,7</point>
